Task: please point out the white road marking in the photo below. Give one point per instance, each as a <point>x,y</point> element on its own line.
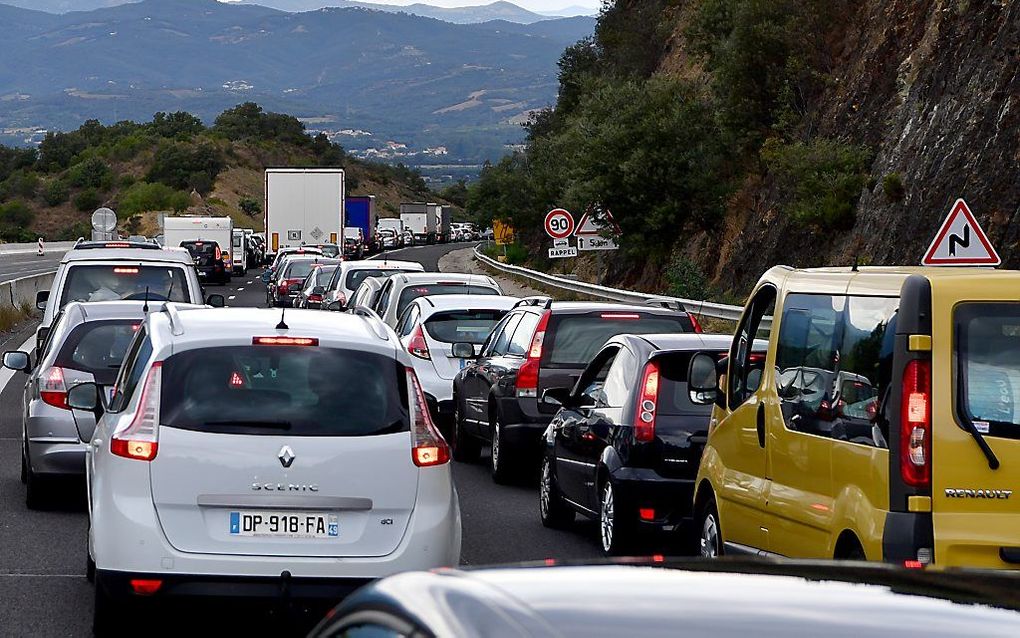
<point>240,289</point>
<point>231,297</point>
<point>252,281</point>
<point>5,374</point>
<point>11,574</point>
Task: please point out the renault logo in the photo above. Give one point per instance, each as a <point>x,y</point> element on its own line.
<point>286,456</point>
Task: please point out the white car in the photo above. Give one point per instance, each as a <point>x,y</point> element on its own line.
<point>244,455</point>
<point>349,276</point>
<point>401,290</point>
<point>428,329</point>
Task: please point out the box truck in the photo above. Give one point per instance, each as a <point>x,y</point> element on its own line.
<point>303,206</point>
<point>208,239</point>
<point>444,222</point>
<point>420,219</point>
<point>361,214</point>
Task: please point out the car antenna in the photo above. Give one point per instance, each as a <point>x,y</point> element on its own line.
<point>282,325</point>
<point>145,306</point>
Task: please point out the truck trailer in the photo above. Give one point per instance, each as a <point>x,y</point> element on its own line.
<point>420,218</point>
<point>361,213</point>
<point>208,239</point>
<point>303,206</point>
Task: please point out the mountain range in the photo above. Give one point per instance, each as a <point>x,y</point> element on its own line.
<point>413,80</point>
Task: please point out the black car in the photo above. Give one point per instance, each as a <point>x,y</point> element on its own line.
<point>625,446</point>
<point>659,598</point>
<point>540,344</point>
<point>208,258</point>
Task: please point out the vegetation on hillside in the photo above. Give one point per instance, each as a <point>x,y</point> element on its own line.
<point>666,154</point>
<point>170,164</point>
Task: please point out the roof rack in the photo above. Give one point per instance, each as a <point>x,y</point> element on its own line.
<point>373,320</point>
<point>667,303</point>
<point>538,300</point>
<point>81,244</point>
<point>176,327</point>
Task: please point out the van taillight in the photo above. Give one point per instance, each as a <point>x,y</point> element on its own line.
<point>695,324</point>
<point>915,424</point>
<point>218,254</point>
<point>648,403</point>
<point>428,447</point>
<point>418,347</point>
<point>52,389</point>
<point>527,376</point>
<point>140,439</point>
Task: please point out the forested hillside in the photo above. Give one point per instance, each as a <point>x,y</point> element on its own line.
<point>173,163</point>
<point>730,135</point>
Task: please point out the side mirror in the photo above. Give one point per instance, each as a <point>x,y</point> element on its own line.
<point>556,397</point>
<point>703,379</point>
<point>17,361</point>
<point>464,350</point>
<point>335,306</point>
<point>84,396</point>
<point>216,301</point>
<point>41,298</point>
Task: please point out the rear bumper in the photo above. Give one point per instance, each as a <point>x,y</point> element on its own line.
<point>905,533</point>
<point>672,499</point>
<point>523,425</point>
<point>50,458</point>
<point>118,585</point>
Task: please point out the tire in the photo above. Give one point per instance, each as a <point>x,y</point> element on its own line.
<point>466,448</point>
<point>90,565</point>
<point>500,457</point>
<point>709,531</point>
<point>615,529</point>
<point>36,490</point>
<point>24,466</point>
<point>107,613</point>
<point>552,508</point>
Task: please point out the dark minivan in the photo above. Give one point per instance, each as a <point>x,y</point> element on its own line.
<point>208,260</point>
<point>540,344</point>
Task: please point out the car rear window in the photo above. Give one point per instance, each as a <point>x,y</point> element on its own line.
<point>409,294</point>
<point>355,277</point>
<point>237,241</point>
<point>98,347</point>
<point>127,281</point>
<point>674,398</point>
<point>576,338</point>
<point>988,367</point>
<point>465,326</point>
<point>284,390</point>
<point>323,274</point>
<point>197,248</point>
<point>298,269</point>
<point>330,250</point>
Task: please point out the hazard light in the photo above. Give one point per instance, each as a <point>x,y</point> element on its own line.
<point>284,341</point>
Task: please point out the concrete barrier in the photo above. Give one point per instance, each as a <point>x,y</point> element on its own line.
<point>22,291</point>
<point>32,248</point>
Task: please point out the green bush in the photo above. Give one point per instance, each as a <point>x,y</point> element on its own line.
<point>892,186</point>
<point>74,231</point>
<point>250,206</point>
<point>685,279</point>
<point>186,166</point>
<point>88,200</point>
<point>90,173</point>
<point>20,183</point>
<point>517,254</point>
<point>144,197</point>
<point>820,180</point>
<point>56,192</point>
<point>15,219</point>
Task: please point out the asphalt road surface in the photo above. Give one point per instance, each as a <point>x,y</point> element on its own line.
<point>27,264</point>
<point>43,591</point>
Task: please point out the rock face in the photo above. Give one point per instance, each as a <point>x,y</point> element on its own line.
<point>933,88</point>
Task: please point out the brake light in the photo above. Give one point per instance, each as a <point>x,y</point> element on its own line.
<point>314,297</point>
<point>644,417</point>
<point>52,389</point>
<point>646,513</point>
<point>695,324</point>
<point>527,376</point>
<point>218,254</point>
<point>284,341</point>
<point>418,347</point>
<point>140,440</point>
<point>620,315</point>
<point>428,447</point>
<point>145,586</point>
<point>126,271</point>
<point>915,424</point>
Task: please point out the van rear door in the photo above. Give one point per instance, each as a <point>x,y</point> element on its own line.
<point>976,405</point>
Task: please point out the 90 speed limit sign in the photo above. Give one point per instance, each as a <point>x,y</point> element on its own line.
<point>559,223</point>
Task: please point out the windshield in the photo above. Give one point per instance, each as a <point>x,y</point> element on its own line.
<point>98,347</point>
<point>576,338</point>
<point>113,282</point>
<point>988,375</point>
<point>470,326</point>
<point>291,390</point>
<point>409,294</point>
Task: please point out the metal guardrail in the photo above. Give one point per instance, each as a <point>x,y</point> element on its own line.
<point>700,308</point>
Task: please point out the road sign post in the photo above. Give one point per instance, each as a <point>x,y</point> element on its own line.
<point>960,241</point>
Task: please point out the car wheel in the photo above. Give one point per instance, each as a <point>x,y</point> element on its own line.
<point>554,510</point>
<point>466,448</point>
<point>36,490</point>
<point>614,530</point>
<point>90,565</point>
<point>499,456</point>
<point>24,465</point>
<point>108,613</point>
<point>710,540</point>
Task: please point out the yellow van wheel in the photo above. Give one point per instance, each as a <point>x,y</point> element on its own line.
<point>709,530</point>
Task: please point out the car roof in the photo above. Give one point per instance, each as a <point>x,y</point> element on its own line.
<point>725,599</point>
<point>118,244</point>
<point>878,280</point>
<point>682,341</point>
<point>567,307</point>
<point>435,277</point>
<point>383,264</point>
<point>439,303</point>
<point>127,254</point>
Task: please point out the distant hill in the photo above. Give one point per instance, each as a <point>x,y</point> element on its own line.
<point>500,10</point>
<point>571,12</point>
<point>64,6</point>
<point>415,80</point>
<point>565,30</point>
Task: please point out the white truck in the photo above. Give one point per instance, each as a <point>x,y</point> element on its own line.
<point>208,239</point>
<point>421,220</point>
<point>304,206</point>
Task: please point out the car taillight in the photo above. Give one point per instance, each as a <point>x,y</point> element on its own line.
<point>527,376</point>
<point>428,447</point>
<point>140,439</point>
<point>218,254</point>
<point>418,346</point>
<point>52,389</point>
<point>648,400</point>
<point>314,297</point>
<point>915,424</point>
<point>285,341</point>
<point>695,323</point>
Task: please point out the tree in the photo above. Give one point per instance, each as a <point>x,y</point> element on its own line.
<point>183,165</point>
<point>250,206</point>
<point>90,173</point>
<point>176,124</point>
<point>87,201</point>
<point>15,219</point>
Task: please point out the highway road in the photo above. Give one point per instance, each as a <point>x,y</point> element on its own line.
<point>43,591</point>
<point>28,264</point>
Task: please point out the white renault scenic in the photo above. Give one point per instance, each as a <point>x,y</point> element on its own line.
<point>263,454</point>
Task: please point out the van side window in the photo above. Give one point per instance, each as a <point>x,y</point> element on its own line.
<point>745,372</point>
<point>866,355</point>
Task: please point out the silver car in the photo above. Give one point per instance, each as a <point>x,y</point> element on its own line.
<point>87,344</point>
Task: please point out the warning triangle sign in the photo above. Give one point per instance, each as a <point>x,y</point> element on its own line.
<point>595,220</point>
<point>961,242</point>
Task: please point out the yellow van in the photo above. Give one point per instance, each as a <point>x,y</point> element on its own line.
<point>883,423</point>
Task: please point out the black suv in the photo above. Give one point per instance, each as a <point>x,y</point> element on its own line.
<point>208,260</point>
<point>624,448</point>
<point>540,344</point>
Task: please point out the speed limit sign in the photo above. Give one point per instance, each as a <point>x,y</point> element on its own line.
<point>559,223</point>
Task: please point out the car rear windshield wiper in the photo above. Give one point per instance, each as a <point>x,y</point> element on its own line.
<point>251,423</point>
<point>965,420</point>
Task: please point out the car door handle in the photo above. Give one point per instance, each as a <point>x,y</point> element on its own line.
<point>761,424</point>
